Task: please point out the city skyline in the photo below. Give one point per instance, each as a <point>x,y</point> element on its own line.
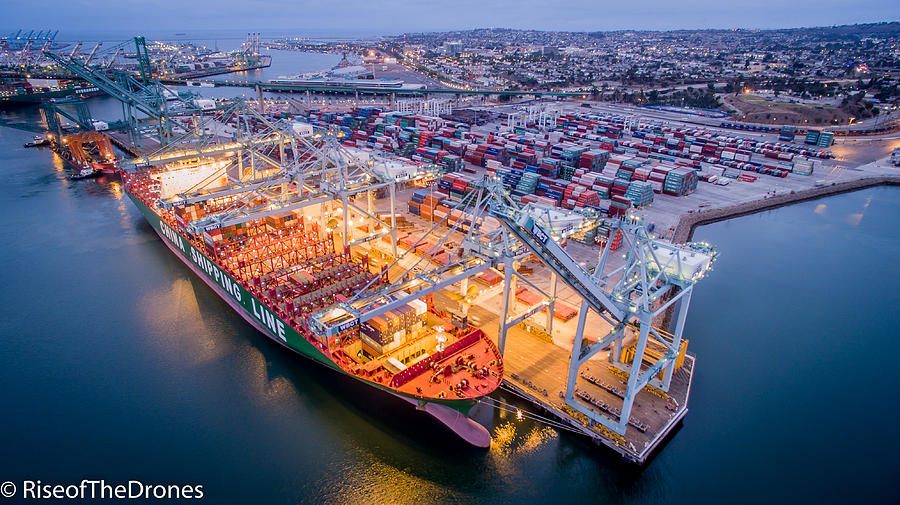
<point>392,17</point>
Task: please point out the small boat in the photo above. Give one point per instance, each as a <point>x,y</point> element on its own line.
<point>85,173</point>
<point>38,141</point>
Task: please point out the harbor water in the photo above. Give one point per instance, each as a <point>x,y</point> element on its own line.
<point>117,363</point>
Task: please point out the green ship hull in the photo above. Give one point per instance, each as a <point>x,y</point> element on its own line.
<point>20,97</point>
<point>260,316</point>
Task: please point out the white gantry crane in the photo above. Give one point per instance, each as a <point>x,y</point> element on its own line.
<point>654,277</point>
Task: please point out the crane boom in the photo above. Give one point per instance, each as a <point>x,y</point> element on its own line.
<point>112,60</point>
<point>75,49</point>
<point>90,57</point>
<point>107,85</point>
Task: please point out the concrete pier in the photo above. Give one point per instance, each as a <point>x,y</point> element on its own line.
<point>688,222</point>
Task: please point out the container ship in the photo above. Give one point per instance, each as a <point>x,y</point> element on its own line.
<point>344,83</point>
<point>34,91</point>
<point>339,82</point>
<point>198,70</point>
<point>277,267</point>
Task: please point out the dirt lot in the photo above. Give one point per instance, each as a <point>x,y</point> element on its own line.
<point>759,110</point>
<point>395,71</point>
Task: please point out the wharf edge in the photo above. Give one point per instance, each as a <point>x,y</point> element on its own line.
<point>684,230</point>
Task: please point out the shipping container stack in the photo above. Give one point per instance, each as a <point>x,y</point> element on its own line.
<point>392,329</point>
<point>550,168</point>
<point>527,184</point>
<point>627,168</point>
<point>812,138</point>
<point>588,199</point>
<point>438,205</point>
<point>657,178</point>
<point>473,155</point>
<point>450,162</point>
<point>680,182</point>
<point>566,171</point>
<point>424,201</point>
<point>316,284</point>
<point>787,133</point>
<point>551,189</point>
<point>571,194</point>
<point>640,193</point>
<point>522,154</point>
<point>596,182</point>
<point>826,139</point>
<point>287,264</point>
<point>540,200</point>
<point>802,166</point>
<point>460,185</point>
<point>602,234</point>
<point>618,188</point>
<point>509,176</point>
<point>593,160</point>
<point>618,205</point>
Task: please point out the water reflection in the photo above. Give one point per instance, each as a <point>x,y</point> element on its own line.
<point>512,439</point>
<point>855,218</point>
<point>370,480</point>
<point>176,319</point>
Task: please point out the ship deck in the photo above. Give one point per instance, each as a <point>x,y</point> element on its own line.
<point>468,367</point>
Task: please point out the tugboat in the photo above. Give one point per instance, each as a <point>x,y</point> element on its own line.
<point>85,173</point>
<point>38,141</point>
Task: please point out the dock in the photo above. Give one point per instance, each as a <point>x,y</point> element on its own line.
<point>536,371</point>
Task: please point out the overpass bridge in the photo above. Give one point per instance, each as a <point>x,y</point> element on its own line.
<point>284,87</point>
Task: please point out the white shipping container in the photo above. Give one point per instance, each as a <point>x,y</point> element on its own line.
<point>302,129</point>
<point>420,307</point>
<point>204,103</point>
